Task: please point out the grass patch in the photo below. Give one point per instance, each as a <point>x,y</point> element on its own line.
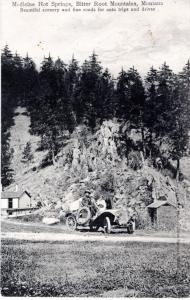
<point>18,226</point>
<point>93,268</point>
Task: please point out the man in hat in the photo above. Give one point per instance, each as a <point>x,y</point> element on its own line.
<point>89,201</point>
<point>86,200</point>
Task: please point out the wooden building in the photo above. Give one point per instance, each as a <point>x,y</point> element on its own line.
<point>162,214</point>
<point>11,201</point>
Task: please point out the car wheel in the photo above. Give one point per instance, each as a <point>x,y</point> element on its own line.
<point>83,215</point>
<point>71,223</point>
<point>107,225</point>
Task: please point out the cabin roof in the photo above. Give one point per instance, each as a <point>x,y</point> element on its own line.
<point>9,194</point>
<point>157,204</point>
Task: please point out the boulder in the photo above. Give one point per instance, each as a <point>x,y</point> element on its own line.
<point>50,221</point>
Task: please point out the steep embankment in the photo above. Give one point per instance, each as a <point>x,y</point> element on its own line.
<point>88,161</point>
<point>26,175</point>
<point>19,137</point>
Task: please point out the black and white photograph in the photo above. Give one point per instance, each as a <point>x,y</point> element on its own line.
<point>95,148</point>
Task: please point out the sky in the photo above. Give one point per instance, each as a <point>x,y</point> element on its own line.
<point>120,39</point>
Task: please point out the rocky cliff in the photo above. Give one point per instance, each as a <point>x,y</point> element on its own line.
<point>91,161</point>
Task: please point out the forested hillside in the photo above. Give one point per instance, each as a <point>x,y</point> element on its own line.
<point>91,125</point>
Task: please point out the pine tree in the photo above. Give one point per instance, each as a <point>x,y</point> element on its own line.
<point>88,100</point>
<point>73,72</point>
<point>47,64</point>
<point>9,96</point>
<point>30,82</point>
<point>130,100</point>
<point>47,77</point>
<point>151,110</point>
<point>122,96</point>
<point>7,173</point>
<point>18,61</point>
<point>131,96</point>
<point>27,155</point>
<point>7,69</point>
<point>6,53</point>
<point>53,112</point>
<point>106,95</point>
<point>73,76</point>
<point>59,73</point>
<point>165,92</point>
<point>18,77</point>
<point>80,94</point>
<point>180,122</point>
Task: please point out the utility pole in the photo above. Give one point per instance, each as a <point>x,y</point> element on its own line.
<point>178,222</point>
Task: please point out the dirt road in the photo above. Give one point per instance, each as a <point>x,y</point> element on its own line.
<point>57,237</point>
<point>41,232</point>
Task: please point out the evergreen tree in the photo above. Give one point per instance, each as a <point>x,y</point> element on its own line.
<point>59,97</point>
<point>52,113</point>
<point>165,94</point>
<point>73,76</point>
<point>122,96</point>
<point>106,92</point>
<point>131,97</point>
<point>130,100</point>
<point>18,77</point>
<point>27,155</point>
<point>64,109</point>
<point>6,54</point>
<point>47,64</point>
<point>47,77</point>
<point>30,82</point>
<point>161,89</point>
<point>8,104</point>
<point>7,70</point>
<point>88,99</point>
<point>7,173</point>
<point>151,111</point>
<point>59,73</point>
<point>180,122</point>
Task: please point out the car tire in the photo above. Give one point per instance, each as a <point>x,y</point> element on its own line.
<point>107,225</point>
<point>83,215</point>
<point>71,223</point>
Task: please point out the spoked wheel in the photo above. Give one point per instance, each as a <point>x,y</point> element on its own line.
<point>83,215</point>
<point>71,223</point>
<point>107,225</point>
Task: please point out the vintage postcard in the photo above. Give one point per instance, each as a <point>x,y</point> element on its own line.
<point>95,148</point>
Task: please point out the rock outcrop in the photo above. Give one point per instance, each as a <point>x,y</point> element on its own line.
<point>92,161</point>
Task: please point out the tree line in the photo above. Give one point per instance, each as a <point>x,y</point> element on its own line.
<point>61,96</point>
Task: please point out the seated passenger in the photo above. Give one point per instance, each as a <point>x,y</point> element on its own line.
<point>101,203</point>
<point>90,202</point>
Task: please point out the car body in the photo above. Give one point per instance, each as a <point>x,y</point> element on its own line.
<point>107,219</point>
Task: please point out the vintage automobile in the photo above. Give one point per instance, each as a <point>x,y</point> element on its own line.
<point>106,219</point>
